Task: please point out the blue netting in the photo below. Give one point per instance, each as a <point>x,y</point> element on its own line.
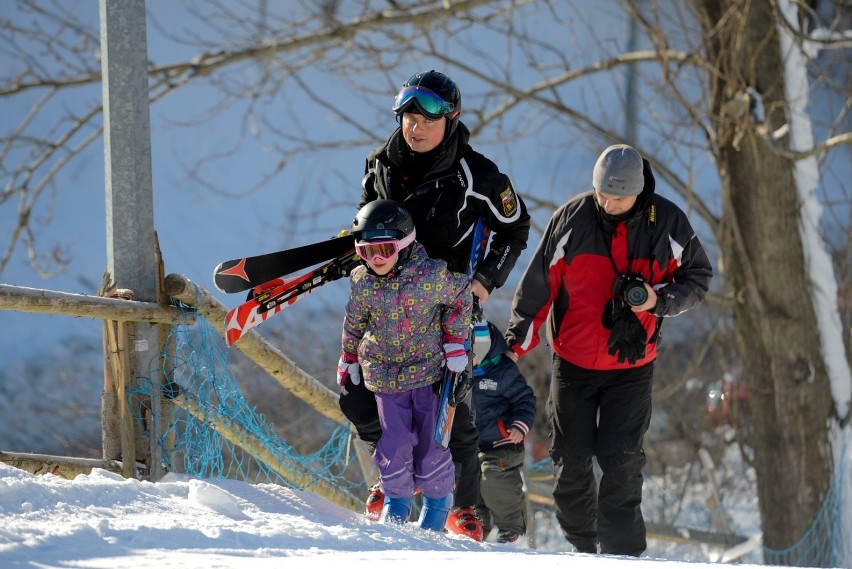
<point>825,543</point>
<point>211,431</point>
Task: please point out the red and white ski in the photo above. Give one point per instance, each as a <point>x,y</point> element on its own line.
<point>272,297</point>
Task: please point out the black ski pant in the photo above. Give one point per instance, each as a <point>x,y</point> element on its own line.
<point>602,414</point>
<point>359,405</point>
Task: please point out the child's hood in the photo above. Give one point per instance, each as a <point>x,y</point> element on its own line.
<point>498,346</point>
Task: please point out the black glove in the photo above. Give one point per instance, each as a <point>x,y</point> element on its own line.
<point>462,386</point>
<point>476,313</point>
<point>613,311</point>
<point>628,337</point>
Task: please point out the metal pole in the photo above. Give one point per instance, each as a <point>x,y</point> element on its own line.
<point>131,242</point>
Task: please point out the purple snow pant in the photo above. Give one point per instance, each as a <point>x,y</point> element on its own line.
<point>407,455</point>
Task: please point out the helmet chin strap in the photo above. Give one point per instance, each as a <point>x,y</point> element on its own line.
<point>402,258</point>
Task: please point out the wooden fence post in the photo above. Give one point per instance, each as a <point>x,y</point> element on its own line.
<point>119,339</point>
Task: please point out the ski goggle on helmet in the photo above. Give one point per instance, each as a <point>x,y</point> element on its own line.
<point>429,103</point>
<point>381,244</point>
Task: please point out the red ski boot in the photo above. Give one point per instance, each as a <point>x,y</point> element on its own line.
<point>375,502</point>
<point>463,521</point>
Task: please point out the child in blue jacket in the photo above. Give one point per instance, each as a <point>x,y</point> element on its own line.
<point>505,412</point>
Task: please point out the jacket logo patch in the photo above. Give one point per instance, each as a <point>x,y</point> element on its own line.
<point>509,201</point>
<point>461,179</point>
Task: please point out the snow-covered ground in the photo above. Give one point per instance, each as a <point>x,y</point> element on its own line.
<point>102,520</point>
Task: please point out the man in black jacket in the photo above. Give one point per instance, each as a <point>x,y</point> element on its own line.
<point>428,165</point>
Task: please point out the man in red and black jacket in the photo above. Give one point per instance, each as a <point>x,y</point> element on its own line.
<point>611,266</point>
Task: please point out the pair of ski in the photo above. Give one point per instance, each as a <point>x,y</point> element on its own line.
<point>269,292</point>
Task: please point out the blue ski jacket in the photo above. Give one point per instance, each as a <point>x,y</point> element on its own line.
<point>501,396</point>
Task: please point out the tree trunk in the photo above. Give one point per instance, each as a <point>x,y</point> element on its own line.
<point>761,244</point>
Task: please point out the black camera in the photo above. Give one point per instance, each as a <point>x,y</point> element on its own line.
<point>632,288</point>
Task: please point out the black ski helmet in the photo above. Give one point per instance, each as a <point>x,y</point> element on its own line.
<point>382,219</point>
<point>440,85</point>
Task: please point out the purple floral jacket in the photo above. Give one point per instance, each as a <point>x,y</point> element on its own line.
<point>397,324</point>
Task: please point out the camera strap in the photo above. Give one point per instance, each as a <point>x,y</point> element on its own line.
<point>650,227</point>
<point>608,241</point>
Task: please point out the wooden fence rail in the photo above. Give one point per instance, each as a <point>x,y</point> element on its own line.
<point>25,299</point>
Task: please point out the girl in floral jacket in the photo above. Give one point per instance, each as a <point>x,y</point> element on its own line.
<point>408,317</point>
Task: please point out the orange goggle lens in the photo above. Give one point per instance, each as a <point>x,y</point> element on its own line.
<point>369,250</point>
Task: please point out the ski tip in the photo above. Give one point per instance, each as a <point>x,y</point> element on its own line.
<point>235,268</point>
<point>219,282</point>
<point>231,276</point>
<point>216,277</point>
